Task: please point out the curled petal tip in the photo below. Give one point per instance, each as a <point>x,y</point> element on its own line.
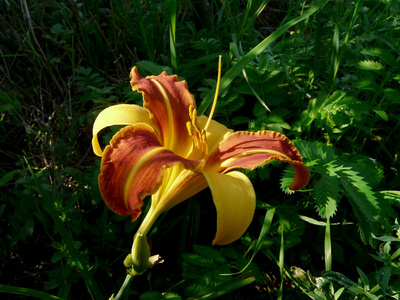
<point>301,176</point>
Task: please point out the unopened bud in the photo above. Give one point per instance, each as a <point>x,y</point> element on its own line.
<point>140,253</point>
<point>128,262</point>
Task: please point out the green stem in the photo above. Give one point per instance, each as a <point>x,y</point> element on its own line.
<point>125,285</point>
<point>149,220</point>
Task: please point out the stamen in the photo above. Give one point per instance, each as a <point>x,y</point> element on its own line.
<point>189,128</point>
<point>215,95</point>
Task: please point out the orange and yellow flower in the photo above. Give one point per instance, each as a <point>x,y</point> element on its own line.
<point>170,153</point>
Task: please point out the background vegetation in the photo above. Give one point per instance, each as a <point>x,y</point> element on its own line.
<point>325,73</point>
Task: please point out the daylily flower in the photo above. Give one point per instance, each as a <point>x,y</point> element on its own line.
<point>167,151</point>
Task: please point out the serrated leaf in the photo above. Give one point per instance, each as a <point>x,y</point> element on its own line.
<point>327,195</point>
<point>210,253</point>
<point>360,193</point>
<point>199,260</point>
<point>382,53</point>
<point>370,65</point>
<point>287,179</point>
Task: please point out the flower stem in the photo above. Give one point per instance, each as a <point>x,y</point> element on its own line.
<point>148,221</point>
<point>125,285</point>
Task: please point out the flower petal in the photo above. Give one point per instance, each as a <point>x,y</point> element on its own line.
<point>133,166</point>
<point>235,201</point>
<point>121,114</point>
<point>247,150</point>
<point>216,132</point>
<point>168,100</point>
<point>179,184</point>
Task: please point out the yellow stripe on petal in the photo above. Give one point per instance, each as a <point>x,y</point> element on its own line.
<point>169,141</point>
<point>235,202</point>
<point>168,102</point>
<point>133,166</point>
<point>120,114</point>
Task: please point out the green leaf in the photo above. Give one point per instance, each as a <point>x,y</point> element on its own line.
<point>151,295</point>
<point>327,191</point>
<point>392,94</point>
<point>57,29</point>
<point>369,65</point>
<point>151,68</point>
<point>227,79</point>
<point>27,292</point>
<point>383,277</point>
<point>199,260</point>
<point>382,53</point>
<point>359,192</point>
<point>364,278</point>
<point>8,177</point>
<point>382,114</point>
<point>210,253</point>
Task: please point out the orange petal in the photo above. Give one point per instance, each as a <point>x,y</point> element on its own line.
<point>133,166</point>
<point>248,150</point>
<point>167,100</point>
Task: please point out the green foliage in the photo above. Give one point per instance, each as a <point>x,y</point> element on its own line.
<point>208,271</point>
<point>325,73</point>
<point>350,176</point>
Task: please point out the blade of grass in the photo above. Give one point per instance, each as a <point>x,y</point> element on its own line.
<point>339,56</point>
<point>263,234</point>
<point>235,51</point>
<point>172,36</point>
<point>227,79</point>
<point>253,9</point>
<point>225,287</point>
<point>281,263</point>
<point>328,246</point>
<point>27,292</point>
<point>67,239</point>
<point>150,54</point>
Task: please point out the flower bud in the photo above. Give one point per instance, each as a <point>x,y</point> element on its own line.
<point>128,261</point>
<point>140,253</point>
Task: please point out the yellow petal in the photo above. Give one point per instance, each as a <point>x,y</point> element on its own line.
<point>121,114</point>
<point>235,201</point>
